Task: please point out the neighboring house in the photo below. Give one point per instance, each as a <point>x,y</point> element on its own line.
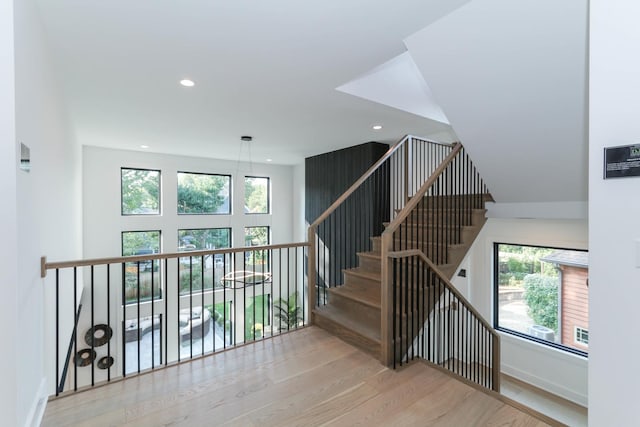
<point>574,297</point>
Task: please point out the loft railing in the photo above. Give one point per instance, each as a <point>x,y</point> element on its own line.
<point>423,314</point>
<point>347,226</point>
<point>433,321</point>
<point>119,317</point>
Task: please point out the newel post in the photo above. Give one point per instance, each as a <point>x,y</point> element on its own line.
<point>386,298</point>
<point>311,272</point>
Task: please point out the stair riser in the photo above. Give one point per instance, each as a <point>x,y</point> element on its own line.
<point>363,343</point>
<point>369,264</point>
<point>436,218</point>
<point>361,311</point>
<point>353,280</point>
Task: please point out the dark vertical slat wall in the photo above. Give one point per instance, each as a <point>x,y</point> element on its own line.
<point>327,177</point>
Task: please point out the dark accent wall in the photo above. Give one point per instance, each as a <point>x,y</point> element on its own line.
<point>327,177</point>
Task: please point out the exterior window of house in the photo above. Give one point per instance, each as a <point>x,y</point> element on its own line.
<point>142,278</point>
<point>256,236</point>
<point>541,293</point>
<point>581,336</point>
<point>140,191</point>
<point>210,268</point>
<point>257,260</point>
<point>257,197</point>
<point>200,193</point>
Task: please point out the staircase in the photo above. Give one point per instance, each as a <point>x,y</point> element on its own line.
<point>391,294</point>
<point>353,310</point>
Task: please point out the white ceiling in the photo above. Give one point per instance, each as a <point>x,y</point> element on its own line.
<point>511,76</point>
<point>263,68</point>
<point>397,83</point>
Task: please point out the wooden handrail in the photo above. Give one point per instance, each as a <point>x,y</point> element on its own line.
<point>367,174</point>
<point>413,202</point>
<point>417,252</point>
<point>44,265</point>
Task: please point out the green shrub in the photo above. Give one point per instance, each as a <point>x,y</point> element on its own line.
<point>541,295</point>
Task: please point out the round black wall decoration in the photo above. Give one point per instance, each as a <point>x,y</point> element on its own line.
<point>84,357</point>
<point>100,334</point>
<point>105,362</point>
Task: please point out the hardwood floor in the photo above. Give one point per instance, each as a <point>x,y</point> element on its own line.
<point>304,378</point>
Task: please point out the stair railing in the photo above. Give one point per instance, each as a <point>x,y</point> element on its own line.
<point>118,317</point>
<point>428,231</point>
<point>432,320</point>
<point>346,227</point>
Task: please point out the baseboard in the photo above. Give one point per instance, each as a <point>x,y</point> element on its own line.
<point>38,406</point>
<point>548,386</point>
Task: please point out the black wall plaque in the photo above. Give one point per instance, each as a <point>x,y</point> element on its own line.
<point>622,162</point>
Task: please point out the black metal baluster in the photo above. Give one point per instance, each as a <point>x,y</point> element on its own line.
<point>58,386</point>
<point>109,319</point>
<point>202,303</point>
<point>75,328</point>
<point>124,321</point>
<point>93,323</point>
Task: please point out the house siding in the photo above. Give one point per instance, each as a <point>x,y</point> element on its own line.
<point>575,304</point>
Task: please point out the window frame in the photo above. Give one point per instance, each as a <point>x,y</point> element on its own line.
<point>268,194</point>
<point>228,176</point>
<point>122,168</point>
<point>496,301</point>
<point>578,334</point>
<point>161,283</point>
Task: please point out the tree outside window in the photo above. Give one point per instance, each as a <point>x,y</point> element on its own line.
<point>256,195</point>
<point>140,190</point>
<point>200,193</point>
<point>210,268</point>
<point>541,293</point>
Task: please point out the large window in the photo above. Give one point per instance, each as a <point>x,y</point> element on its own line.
<point>541,293</point>
<point>200,193</point>
<point>140,190</point>
<point>256,195</point>
<point>210,268</point>
<point>142,278</point>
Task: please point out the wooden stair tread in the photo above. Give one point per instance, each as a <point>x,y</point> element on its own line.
<point>370,332</point>
<point>362,273</point>
<point>366,296</point>
<point>370,255</point>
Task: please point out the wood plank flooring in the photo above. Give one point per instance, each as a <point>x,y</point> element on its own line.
<point>304,378</point>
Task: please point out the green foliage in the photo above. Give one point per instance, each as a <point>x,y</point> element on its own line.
<point>516,262</point>
<point>140,191</point>
<point>132,286</point>
<point>205,238</point>
<point>288,313</point>
<point>256,194</point>
<point>140,242</point>
<point>254,325</point>
<point>541,295</point>
<point>200,193</point>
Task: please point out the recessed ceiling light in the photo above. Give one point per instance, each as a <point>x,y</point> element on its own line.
<point>269,160</point>
<point>187,83</point>
<point>144,146</point>
<point>376,127</point>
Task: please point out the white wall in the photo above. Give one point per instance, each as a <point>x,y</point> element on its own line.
<point>8,254</point>
<point>614,211</point>
<point>103,222</point>
<point>48,203</point>
<point>511,78</point>
<point>559,372</point>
